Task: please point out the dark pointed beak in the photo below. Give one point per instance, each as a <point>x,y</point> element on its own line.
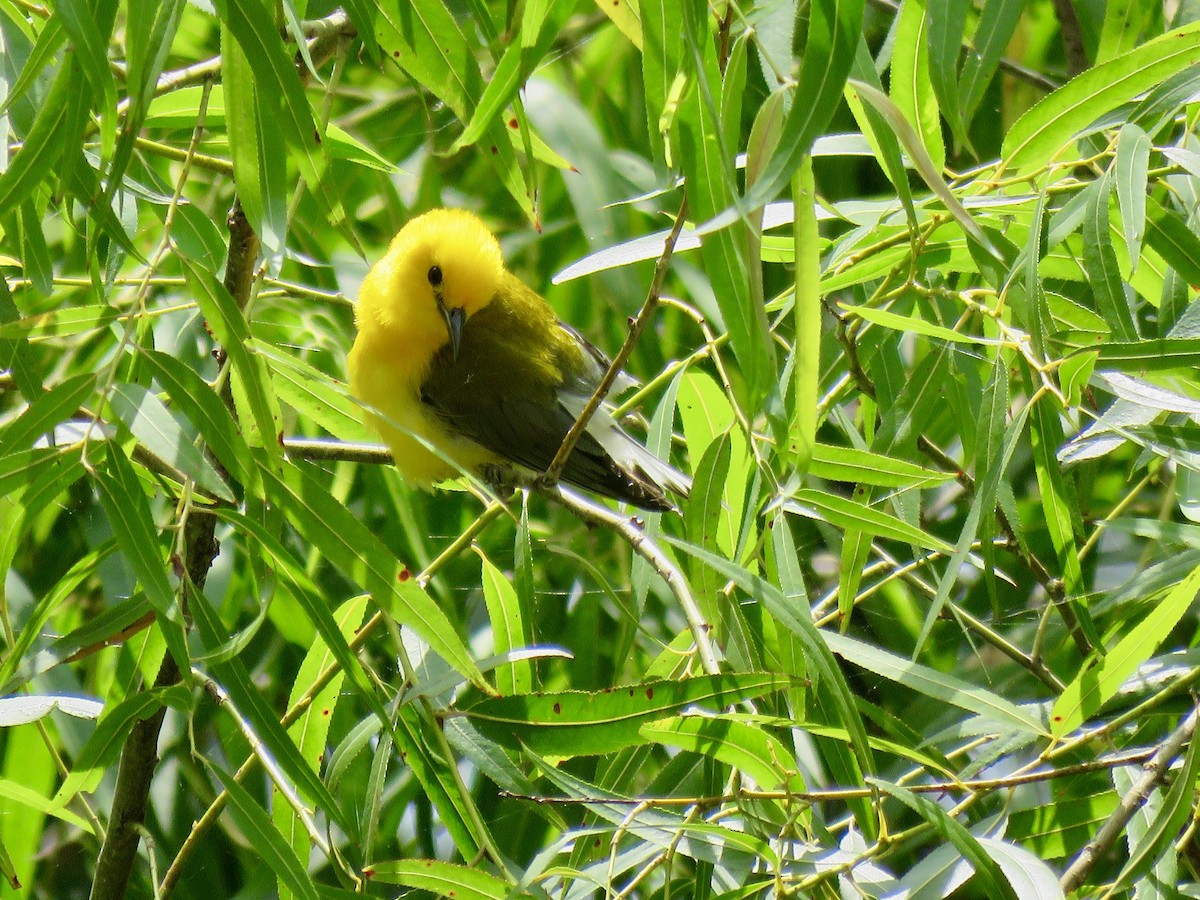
<point>455,317</point>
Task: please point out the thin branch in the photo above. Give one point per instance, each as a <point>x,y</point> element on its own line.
<point>842,794</point>
<point>1153,773</point>
<point>643,545</point>
<point>555,469</point>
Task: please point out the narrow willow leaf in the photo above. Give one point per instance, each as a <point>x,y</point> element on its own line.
<point>834,33</point>
<point>147,48</point>
<point>1101,261</point>
<point>269,845</point>
<point>912,325</point>
<point>35,255</point>
<point>997,22</point>
<point>314,395</point>
<point>1058,117</point>
<point>745,747</point>
<point>442,879</point>
<point>937,685</point>
<point>1124,21</point>
<point>47,411</point>
<point>826,676</point>
<point>257,714</point>
<point>945,34</point>
<point>708,166</point>
<point>884,146</point>
<point>854,466</point>
<point>926,167</point>
<point>911,86</point>
<point>1148,355</point>
<point>89,27</point>
<point>160,433</point>
<point>124,501</point>
<point>255,146</point>
<point>59,124</point>
<point>104,745</point>
<point>576,723</point>
<point>1173,239</point>
<point>1099,683</point>
<point>806,363</point>
<point>311,599</point>
<point>509,628</point>
<point>990,879</point>
<point>1059,505</point>
<point>734,850</point>
<point>205,410</point>
<point>1132,165</point>
<point>660,61</point>
<point>361,556</point>
<point>230,327</point>
<point>851,515</point>
<point>276,77</point>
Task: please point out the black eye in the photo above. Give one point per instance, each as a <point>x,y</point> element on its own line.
<point>435,275</point>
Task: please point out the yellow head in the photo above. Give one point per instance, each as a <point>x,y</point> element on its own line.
<point>441,268</point>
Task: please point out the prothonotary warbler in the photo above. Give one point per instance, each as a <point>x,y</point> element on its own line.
<point>454,352</point>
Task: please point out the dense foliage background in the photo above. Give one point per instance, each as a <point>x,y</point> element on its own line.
<point>928,343</point>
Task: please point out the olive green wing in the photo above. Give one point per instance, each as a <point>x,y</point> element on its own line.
<point>512,391</point>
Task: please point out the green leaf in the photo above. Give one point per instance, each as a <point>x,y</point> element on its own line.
<point>89,27</point>
<point>257,715</point>
<point>59,124</point>
<point>854,466</point>
<point>360,555</point>
<point>834,32</point>
<point>851,515</point>
<point>997,23</point>
<point>937,685</point>
<point>269,845</point>
<point>442,879</point>
<point>1100,260</point>
<point>104,744</point>
<point>255,146</point>
<point>576,723</point>
<point>1164,830</point>
<point>205,410</point>
<point>275,76</point>
<point>1060,508</point>
<point>1055,120</point>
<point>990,880</point>
<point>1174,240</point>
<point>160,433</point>
<point>823,670</point>
<point>747,748</point>
<point>945,34</point>
<point>229,326</point>
<point>806,355</point>
<point>1132,166</point>
<point>708,167</point>
<point>124,501</point>
<point>911,85</point>
<point>46,412</point>
<point>509,628</point>
<point>1098,683</point>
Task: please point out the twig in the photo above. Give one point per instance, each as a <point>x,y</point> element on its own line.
<point>842,794</point>
<point>1153,772</point>
<point>645,547</point>
<point>555,469</point>
<point>1072,36</point>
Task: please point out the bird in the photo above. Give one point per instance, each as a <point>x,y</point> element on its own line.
<point>460,365</point>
